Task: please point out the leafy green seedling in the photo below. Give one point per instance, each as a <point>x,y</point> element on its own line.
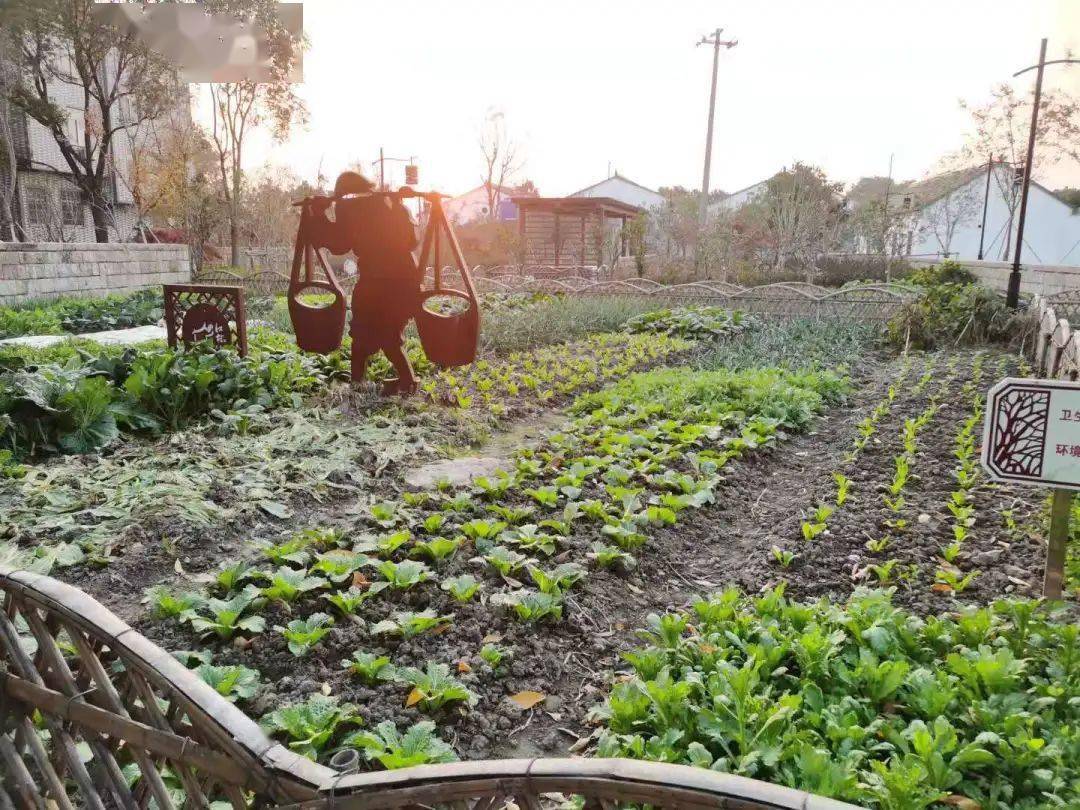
<point>348,602</point>
<point>951,551</point>
<point>530,538</point>
<point>434,687</point>
<point>625,534</point>
<point>885,571</point>
<point>303,634</point>
<point>504,560</point>
<point>309,726</point>
<point>226,616</point>
<point>609,556</point>
<point>409,624</point>
<point>369,667</point>
<point>531,606</point>
<point>404,575</point>
<point>493,655</point>
<point>167,605</point>
<point>545,496</point>
<point>230,577</point>
<point>480,529</point>
<point>232,681</point>
<point>388,544</point>
<point>557,580</point>
<point>879,545</point>
<point>433,523</point>
<point>294,551</point>
<point>338,565</point>
<point>384,515</point>
<point>438,549</point>
<point>951,578</point>
<point>463,588</point>
<point>784,558</point>
<point>288,584</point>
<point>419,745</point>
<point>843,484</point>
<point>512,514</point>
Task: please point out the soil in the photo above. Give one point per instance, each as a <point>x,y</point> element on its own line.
<point>761,503</point>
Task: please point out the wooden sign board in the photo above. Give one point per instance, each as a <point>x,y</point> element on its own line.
<point>1032,432</point>
<point>195,312</point>
<point>1032,436</point>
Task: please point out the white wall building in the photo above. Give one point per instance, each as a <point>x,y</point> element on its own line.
<point>946,216</point>
<point>737,199</point>
<point>624,190</point>
<point>473,206</point>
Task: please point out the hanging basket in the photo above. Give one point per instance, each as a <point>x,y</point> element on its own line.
<point>317,328</point>
<point>448,339</point>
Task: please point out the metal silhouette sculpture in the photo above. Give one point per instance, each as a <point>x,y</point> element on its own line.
<point>197,312</point>
<point>377,228</point>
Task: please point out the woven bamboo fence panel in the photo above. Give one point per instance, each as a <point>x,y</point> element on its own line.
<point>1056,349</point>
<point>94,715</point>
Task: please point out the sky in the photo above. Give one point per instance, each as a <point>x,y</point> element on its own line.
<point>585,85</point>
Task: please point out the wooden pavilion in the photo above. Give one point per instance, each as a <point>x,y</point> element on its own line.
<point>569,231</point>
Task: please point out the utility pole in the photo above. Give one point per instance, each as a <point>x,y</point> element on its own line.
<point>382,170</point>
<point>716,42</point>
<point>1012,297</point>
<point>986,203</point>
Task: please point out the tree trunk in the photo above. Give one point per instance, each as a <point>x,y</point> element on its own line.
<point>234,241</point>
<point>99,212</point>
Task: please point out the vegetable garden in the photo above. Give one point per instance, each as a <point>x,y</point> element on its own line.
<point>760,546</point>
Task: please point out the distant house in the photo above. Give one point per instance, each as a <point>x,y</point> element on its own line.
<point>942,217</point>
<point>473,206</point>
<point>740,198</point>
<point>624,190</point>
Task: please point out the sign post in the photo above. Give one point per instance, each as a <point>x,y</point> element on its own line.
<point>1032,436</point>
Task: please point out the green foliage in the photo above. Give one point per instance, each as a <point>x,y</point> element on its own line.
<point>79,315</point>
<point>463,588</point>
<point>226,617</point>
<point>231,681</point>
<point>531,606</point>
<point>303,634</point>
<point>404,575</point>
<point>409,624</point>
<point>691,322</point>
<point>796,344</point>
<point>288,584</point>
<point>348,602</point>
<point>610,556</point>
<point>369,667</point>
<point>419,745</point>
<point>863,702</point>
<point>434,686</point>
<point>951,308</point>
<point>309,726</point>
<point>168,605</point>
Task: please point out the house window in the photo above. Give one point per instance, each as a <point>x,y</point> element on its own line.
<point>38,205</point>
<point>71,206</point>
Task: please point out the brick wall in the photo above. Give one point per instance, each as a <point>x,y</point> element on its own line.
<point>47,270</point>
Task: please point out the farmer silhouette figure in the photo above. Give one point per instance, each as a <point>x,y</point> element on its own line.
<point>379,230</point>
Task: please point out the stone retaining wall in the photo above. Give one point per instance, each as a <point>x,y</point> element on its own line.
<point>30,271</point>
<point>1040,279</point>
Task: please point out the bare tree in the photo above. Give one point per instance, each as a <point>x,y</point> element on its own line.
<point>999,132</point>
<point>802,211</point>
<point>9,228</point>
<point>119,81</point>
<point>501,159</point>
<point>959,207</point>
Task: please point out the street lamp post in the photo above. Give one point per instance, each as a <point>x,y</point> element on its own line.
<point>1012,297</point>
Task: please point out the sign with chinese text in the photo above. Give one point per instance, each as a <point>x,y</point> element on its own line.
<point>197,312</point>
<point>1032,432</point>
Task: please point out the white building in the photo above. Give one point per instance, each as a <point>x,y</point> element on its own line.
<point>624,190</point>
<point>47,204</point>
<point>474,205</point>
<point>946,219</point>
<point>740,198</point>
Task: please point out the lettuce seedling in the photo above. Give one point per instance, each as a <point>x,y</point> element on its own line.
<point>608,556</point>
<point>437,548</point>
<point>404,575</point>
<point>233,682</point>
<point>293,551</point>
<point>409,624</point>
<point>227,616</point>
<point>309,726</point>
<point>434,687</point>
<point>369,667</point>
<point>463,588</point>
<point>504,560</point>
<point>348,602</point>
<point>287,584</point>
<point>390,543</point>
<point>512,514</point>
<point>531,606</point>
<point>784,558</point>
<point>433,523</point>
<point>303,634</point>
<point>338,565</point>
<point>479,529</point>
<point>230,577</point>
<point>384,515</point>
<point>167,605</point>
<point>493,655</point>
<point>530,538</point>
<point>419,745</point>
<point>557,580</point>
<point>625,534</point>
<point>545,496</point>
